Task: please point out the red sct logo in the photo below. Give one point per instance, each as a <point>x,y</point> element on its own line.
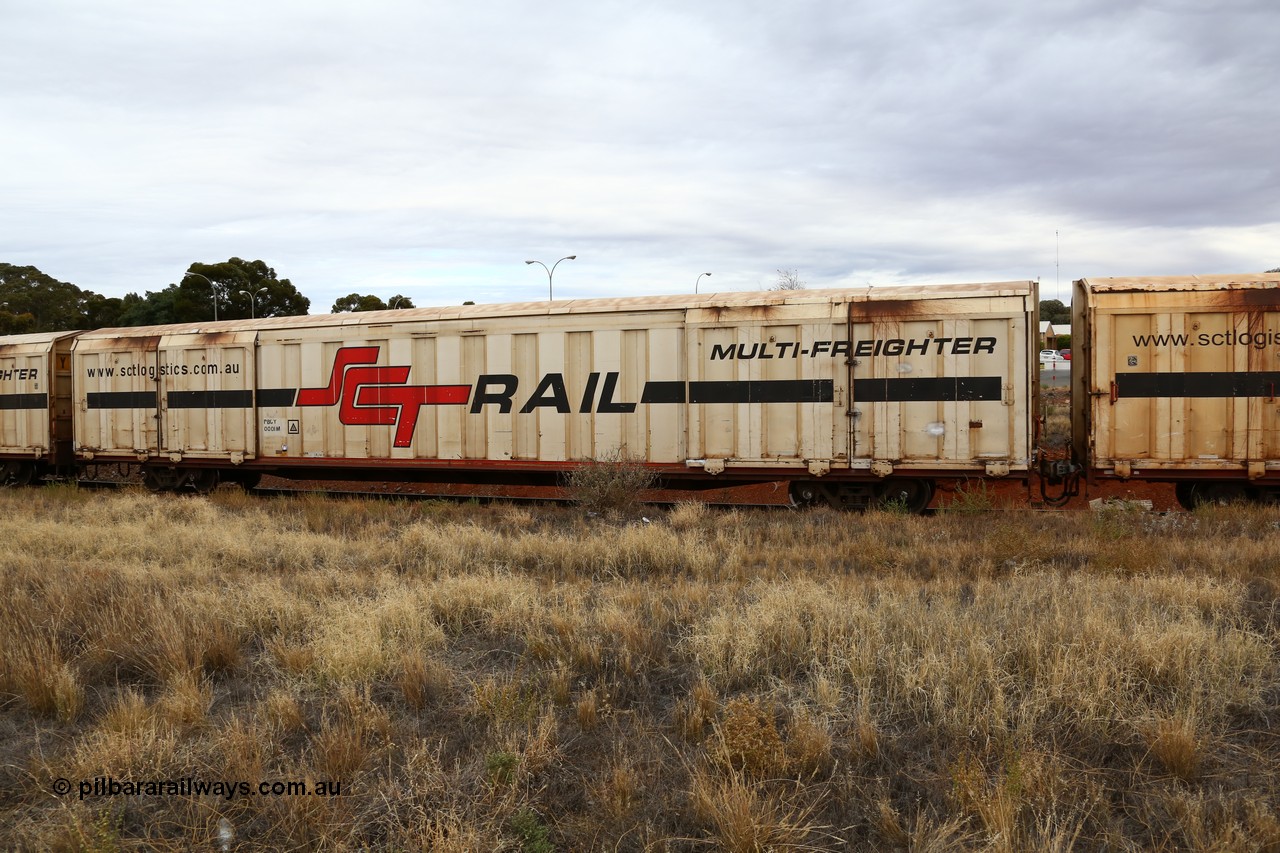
<point>374,395</point>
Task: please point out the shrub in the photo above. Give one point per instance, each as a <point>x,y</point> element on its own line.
<point>612,483</point>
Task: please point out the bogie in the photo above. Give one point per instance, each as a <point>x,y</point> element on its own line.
<point>911,495</point>
<point>1192,494</point>
<point>17,473</point>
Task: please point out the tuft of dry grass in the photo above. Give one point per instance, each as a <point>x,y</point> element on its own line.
<point>745,817</point>
<point>613,483</point>
<point>516,677</point>
<point>748,740</point>
<point>1177,746</point>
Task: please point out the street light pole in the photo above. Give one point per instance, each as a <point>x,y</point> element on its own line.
<point>212,287</point>
<point>698,279</point>
<point>551,273</point>
<point>253,299</point>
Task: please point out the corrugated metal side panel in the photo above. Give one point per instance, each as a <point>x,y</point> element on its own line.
<point>929,420</point>
<point>26,381</point>
<point>206,395</point>
<point>474,361</point>
<point>1184,379</point>
<point>510,389</point>
<point>115,395</point>
<point>751,384</point>
<point>784,353</point>
<point>1264,412</point>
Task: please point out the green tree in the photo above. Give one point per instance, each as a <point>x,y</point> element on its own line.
<point>369,302</point>
<point>1054,311</point>
<point>53,306</point>
<point>357,302</point>
<point>157,308</point>
<point>240,288</point>
<point>16,324</point>
<point>246,288</point>
<point>101,312</point>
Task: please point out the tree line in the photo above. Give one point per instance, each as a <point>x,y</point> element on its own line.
<point>32,301</point>
<point>236,289</point>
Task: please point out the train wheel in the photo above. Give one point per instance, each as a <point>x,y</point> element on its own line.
<point>161,479</point>
<point>17,474</point>
<point>203,480</point>
<point>804,493</point>
<point>249,480</point>
<point>1222,494</point>
<point>912,496</point>
<point>1192,495</point>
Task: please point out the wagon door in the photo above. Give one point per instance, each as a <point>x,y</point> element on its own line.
<point>206,385</point>
<point>932,385</point>
<point>1192,386</point>
<point>115,396</point>
<point>1163,400</point>
<point>767,386</point>
<point>1264,409</point>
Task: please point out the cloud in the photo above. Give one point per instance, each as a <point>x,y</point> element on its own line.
<point>431,148</point>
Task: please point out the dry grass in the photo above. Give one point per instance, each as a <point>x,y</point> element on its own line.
<point>510,678</point>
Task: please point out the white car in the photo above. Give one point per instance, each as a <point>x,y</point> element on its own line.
<point>1051,356</point>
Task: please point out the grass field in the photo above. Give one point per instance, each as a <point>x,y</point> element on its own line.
<point>515,678</point>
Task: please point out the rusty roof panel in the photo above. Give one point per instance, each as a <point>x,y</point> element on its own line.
<point>1134,284</point>
<point>35,338</point>
<point>681,302</point>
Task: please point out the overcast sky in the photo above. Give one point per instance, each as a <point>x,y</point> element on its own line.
<point>430,147</point>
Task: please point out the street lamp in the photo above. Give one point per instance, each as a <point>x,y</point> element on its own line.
<point>698,279</point>
<point>551,272</point>
<point>396,300</point>
<point>253,298</point>
<point>212,287</point>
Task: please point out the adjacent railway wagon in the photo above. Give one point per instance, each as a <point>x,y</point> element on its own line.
<point>850,396</point>
<point>35,405</point>
<point>1176,380</point>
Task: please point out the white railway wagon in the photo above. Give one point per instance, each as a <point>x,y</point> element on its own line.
<point>849,394</point>
<point>35,404</point>
<point>1176,379</point>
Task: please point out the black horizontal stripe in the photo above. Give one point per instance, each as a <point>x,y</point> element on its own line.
<point>927,389</point>
<point>662,392</point>
<point>1199,384</point>
<point>763,391</point>
<point>210,399</point>
<point>24,401</point>
<point>121,399</point>
<point>181,399</point>
<point>276,396</point>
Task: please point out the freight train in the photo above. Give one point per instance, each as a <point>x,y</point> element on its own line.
<point>849,397</point>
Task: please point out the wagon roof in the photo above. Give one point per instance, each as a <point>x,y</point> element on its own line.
<point>590,306</point>
<point>1238,281</point>
<point>35,338</point>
